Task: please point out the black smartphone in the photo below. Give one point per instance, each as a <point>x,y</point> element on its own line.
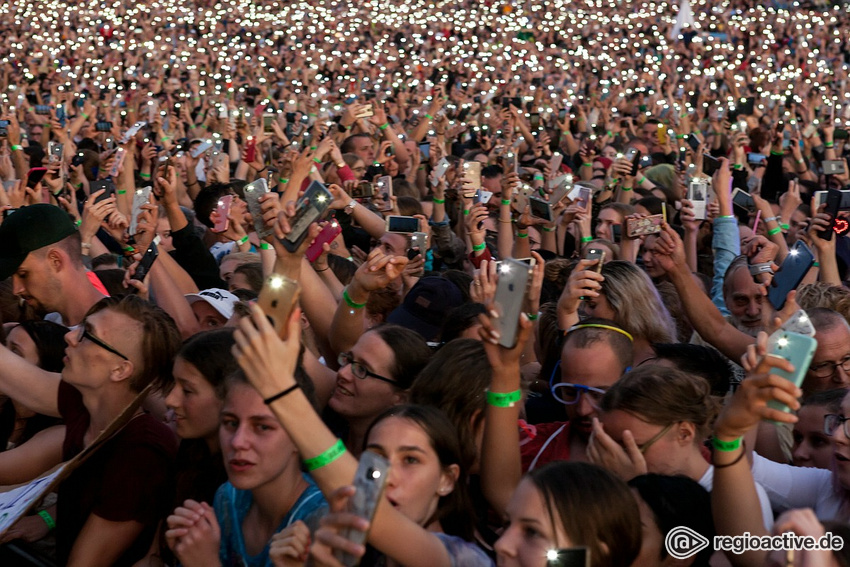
<point>617,233</point>
<point>107,184</point>
<point>693,142</point>
<point>407,225</point>
<point>833,205</point>
<point>42,109</point>
<point>744,200</point>
<point>840,134</point>
<point>541,209</point>
<point>425,150</point>
<point>311,207</point>
<point>792,271</point>
<point>146,262</point>
<point>4,128</point>
<point>35,175</point>
<point>78,159</point>
<point>103,126</point>
<point>710,164</point>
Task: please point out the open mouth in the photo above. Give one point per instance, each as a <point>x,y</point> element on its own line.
<point>239,465</point>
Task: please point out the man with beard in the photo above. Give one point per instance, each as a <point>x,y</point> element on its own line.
<point>41,250</point>
<point>595,354</point>
<point>745,299</point>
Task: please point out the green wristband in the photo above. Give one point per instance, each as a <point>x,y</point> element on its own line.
<point>773,231</point>
<point>265,246</point>
<point>587,165</point>
<point>816,264</point>
<point>17,147</point>
<point>122,191</point>
<point>145,175</point>
<point>522,235</point>
<point>429,117</point>
<point>243,240</point>
<point>539,177</point>
<point>466,212</point>
<point>51,523</point>
<point>506,400</point>
<point>547,229</point>
<point>784,226</point>
<point>439,201</point>
<point>738,166</point>
<point>384,127</point>
<point>317,160</point>
<point>773,153</point>
<point>479,247</point>
<point>626,188</point>
<point>586,239</point>
<point>78,222</point>
<point>506,201</point>
<point>726,446</point>
<point>333,453</point>
<point>283,181</point>
<point>532,316</point>
<point>825,144</point>
<point>642,180</point>
<point>350,302</point>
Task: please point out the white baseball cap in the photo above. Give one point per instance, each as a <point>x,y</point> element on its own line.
<point>221,300</point>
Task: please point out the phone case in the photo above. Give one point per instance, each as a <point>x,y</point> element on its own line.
<point>310,208</point>
<point>277,299</point>
<point>698,196</point>
<point>405,225</point>
<point>328,233</point>
<point>643,226</point>
<point>107,184</point>
<point>146,262</point>
<point>418,241</point>
<point>116,163</point>
<point>140,197</point>
<point>369,482</point>
<point>792,271</point>
<point>520,197</point>
<point>223,209</point>
<point>510,297</point>
<point>439,171</point>
<point>540,208</point>
<point>472,172</point>
<point>799,323</point>
<point>384,185</point>
<point>253,191</point>
<point>795,348</point>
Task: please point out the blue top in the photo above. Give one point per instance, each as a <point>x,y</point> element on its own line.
<point>464,553</point>
<point>232,505</point>
<point>726,243</point>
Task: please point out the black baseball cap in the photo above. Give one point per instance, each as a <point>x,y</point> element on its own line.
<point>425,306</point>
<point>28,229</point>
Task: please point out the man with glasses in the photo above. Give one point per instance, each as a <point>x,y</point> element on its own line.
<point>594,356</point>
<point>108,509</point>
<point>830,367</point>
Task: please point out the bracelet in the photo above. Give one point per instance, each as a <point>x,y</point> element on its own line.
<point>78,222</point>
<point>680,136</point>
<point>642,180</point>
<point>775,230</point>
<point>313,148</point>
<point>784,226</point>
<point>539,177</point>
<point>86,116</point>
<point>735,462</point>
<point>479,247</point>
<point>609,134</point>
<point>825,144</point>
<point>769,219</point>
<point>317,160</point>
<point>466,212</point>
<point>122,191</point>
<point>164,139</point>
<point>350,302</point>
<point>503,400</point>
<point>333,453</point>
<point>532,316</point>
<point>626,188</point>
<point>17,147</point>
<point>801,161</point>
<point>265,246</point>
<point>279,395</point>
<point>322,270</point>
<point>439,201</point>
<point>587,165</point>
<point>816,264</point>
<point>521,235</point>
<point>385,126</point>
<point>283,181</point>
<point>586,239</point>
<point>726,217</point>
<point>85,245</point>
<point>145,175</point>
<point>243,240</point>
<point>547,229</point>
<point>726,446</point>
<point>506,201</point>
<point>51,523</point>
<point>737,166</point>
<point>429,117</point>
<point>775,153</point>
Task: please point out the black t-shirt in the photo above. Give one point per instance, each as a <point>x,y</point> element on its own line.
<point>129,478</point>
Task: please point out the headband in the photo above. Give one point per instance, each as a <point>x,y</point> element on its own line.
<point>600,326</point>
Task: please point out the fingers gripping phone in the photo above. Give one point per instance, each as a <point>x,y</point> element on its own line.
<point>369,482</point>
<point>792,271</point>
<point>795,348</point>
<point>510,297</point>
<point>141,197</point>
<point>596,254</point>
<point>327,235</point>
<point>253,191</point>
<point>146,262</point>
<point>223,210</point>
<point>277,300</point>
<point>310,208</point>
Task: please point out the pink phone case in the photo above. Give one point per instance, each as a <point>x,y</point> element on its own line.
<point>328,233</point>
<point>223,210</point>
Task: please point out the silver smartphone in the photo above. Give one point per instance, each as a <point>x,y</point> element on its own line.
<point>510,297</point>
<point>369,482</point>
<point>253,191</point>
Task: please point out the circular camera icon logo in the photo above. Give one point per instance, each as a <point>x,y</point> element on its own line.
<point>683,542</point>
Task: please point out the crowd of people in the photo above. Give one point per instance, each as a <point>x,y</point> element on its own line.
<point>422,284</point>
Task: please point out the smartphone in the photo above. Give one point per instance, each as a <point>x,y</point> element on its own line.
<point>555,164</point>
<point>42,109</point>
<point>834,167</point>
<point>369,482</point>
<point>693,142</point>
<point>520,197</point>
<point>328,233</point>
<point>384,188</point>
<point>743,200</point>
<point>755,158</point>
<point>541,209</point>
<point>4,128</point>
<point>132,131</point>
<point>363,190</point>
<point>116,163</point>
<point>710,164</point>
<point>799,323</point>
<point>792,271</point>
<point>54,152</point>
<point>584,194</point>
<point>35,175</point>
<point>596,254</point>
<point>569,557</point>
<point>146,262</point>
<point>425,150</point>
<point>482,197</point>
<point>407,225</point>
<point>140,197</point>
<point>418,242</point>
<point>472,172</point>
<point>840,134</point>
<point>103,126</point>
<point>277,299</point>
<point>512,162</point>
<point>60,115</point>
<point>268,119</point>
<point>250,149</point>
<point>698,196</point>
<point>439,171</point>
<point>617,233</point>
<point>643,226</point>
<point>797,349</point>
<point>833,205</point>
<point>311,207</point>
<point>510,296</point>
<point>223,210</point>
<point>202,147</point>
<point>365,112</point>
<point>253,191</point>
<point>78,159</point>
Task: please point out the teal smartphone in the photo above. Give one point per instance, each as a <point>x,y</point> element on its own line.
<point>798,350</point>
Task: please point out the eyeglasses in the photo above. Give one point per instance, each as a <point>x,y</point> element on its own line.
<point>569,394</point>
<point>83,333</point>
<point>827,369</point>
<point>360,371</point>
<point>644,446</point>
<point>831,421</point>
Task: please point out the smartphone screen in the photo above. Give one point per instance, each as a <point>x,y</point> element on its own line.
<point>698,196</point>
<point>743,200</point>
<point>792,271</point>
<point>311,207</point>
<point>35,175</point>
<point>407,225</point>
<point>540,208</point>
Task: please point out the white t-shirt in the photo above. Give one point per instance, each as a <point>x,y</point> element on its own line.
<point>707,482</point>
<point>790,487</point>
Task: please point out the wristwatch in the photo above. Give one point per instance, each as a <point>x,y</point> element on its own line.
<point>349,208</point>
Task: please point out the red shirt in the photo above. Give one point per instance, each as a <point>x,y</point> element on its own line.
<point>543,443</point>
